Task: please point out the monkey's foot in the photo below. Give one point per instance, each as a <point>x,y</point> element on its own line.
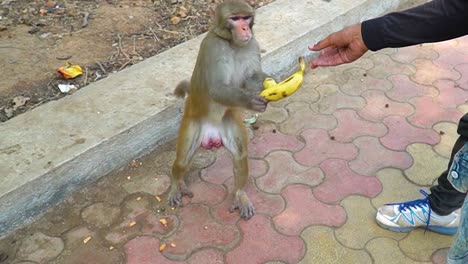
<point>244,205</point>
<point>176,194</point>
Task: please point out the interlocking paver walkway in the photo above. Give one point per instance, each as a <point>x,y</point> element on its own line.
<point>352,138</point>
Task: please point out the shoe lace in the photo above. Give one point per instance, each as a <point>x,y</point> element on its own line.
<point>419,203</point>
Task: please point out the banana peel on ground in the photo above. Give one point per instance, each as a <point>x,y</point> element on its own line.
<point>275,91</point>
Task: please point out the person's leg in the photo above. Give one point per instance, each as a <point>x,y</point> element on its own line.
<point>444,199</point>
<point>438,211</point>
<point>458,178</point>
<point>458,253</point>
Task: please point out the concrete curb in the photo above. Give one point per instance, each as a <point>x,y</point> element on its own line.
<point>51,151</point>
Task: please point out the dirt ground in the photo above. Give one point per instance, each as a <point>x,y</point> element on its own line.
<point>102,36</point>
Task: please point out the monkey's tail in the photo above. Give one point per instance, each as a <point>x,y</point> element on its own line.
<point>182,88</point>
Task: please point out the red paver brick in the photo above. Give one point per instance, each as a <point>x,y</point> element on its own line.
<point>361,82</point>
<point>222,169</point>
<point>284,170</point>
<point>304,210</point>
<point>450,95</point>
<point>148,184</point>
<point>91,254</point>
<point>427,72</point>
<point>401,134</point>
<point>341,182</point>
<point>40,248</point>
<point>192,234</point>
<point>267,204</point>
<point>206,192</point>
<point>261,243</point>
<point>145,250</point>
<point>373,157</point>
<point>404,89</point>
<point>141,212</point>
<point>269,139</point>
<point>151,225</point>
<point>429,112</point>
<point>462,45</point>
<point>76,235</point>
<point>449,56</point>
<point>351,126</point>
<point>392,67</point>
<point>100,214</point>
<point>440,257</point>
<point>332,98</point>
<point>463,81</point>
<point>302,117</point>
<point>208,256</point>
<point>408,54</point>
<point>307,94</point>
<point>319,147</point>
<point>76,251</point>
<point>379,106</point>
<point>121,235</point>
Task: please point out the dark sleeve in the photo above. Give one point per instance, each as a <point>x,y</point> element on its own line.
<point>434,21</point>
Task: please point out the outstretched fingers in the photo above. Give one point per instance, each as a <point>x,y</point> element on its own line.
<point>330,56</point>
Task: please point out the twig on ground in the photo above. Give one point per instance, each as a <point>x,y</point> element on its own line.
<point>102,67</point>
<point>85,19</point>
<point>86,76</point>
<point>168,31</point>
<point>125,64</point>
<point>154,35</point>
<point>120,46</point>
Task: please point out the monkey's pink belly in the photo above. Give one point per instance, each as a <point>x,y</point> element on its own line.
<point>211,137</point>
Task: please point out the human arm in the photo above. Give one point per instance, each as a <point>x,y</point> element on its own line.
<point>434,21</point>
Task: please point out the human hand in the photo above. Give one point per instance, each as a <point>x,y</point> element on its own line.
<point>341,47</point>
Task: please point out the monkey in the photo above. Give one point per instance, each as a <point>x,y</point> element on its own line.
<point>227,78</point>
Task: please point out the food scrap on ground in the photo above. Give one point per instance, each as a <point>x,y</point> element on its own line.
<point>163,221</point>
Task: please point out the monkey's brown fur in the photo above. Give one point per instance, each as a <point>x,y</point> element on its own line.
<point>227,77</point>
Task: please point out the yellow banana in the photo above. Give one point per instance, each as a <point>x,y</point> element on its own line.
<point>274,91</point>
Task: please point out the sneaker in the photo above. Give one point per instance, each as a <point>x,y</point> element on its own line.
<point>404,217</point>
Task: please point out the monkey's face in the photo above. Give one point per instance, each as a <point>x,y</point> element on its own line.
<point>241,29</point>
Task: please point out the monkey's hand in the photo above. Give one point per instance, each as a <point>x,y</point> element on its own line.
<point>257,103</point>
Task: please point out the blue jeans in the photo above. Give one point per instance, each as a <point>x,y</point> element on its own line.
<point>458,177</point>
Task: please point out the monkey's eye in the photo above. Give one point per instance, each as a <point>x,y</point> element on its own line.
<point>236,18</point>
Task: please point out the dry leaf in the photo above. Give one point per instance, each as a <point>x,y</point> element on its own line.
<point>50,4</point>
<point>19,101</point>
<point>182,13</point>
<point>175,20</point>
<point>163,222</point>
